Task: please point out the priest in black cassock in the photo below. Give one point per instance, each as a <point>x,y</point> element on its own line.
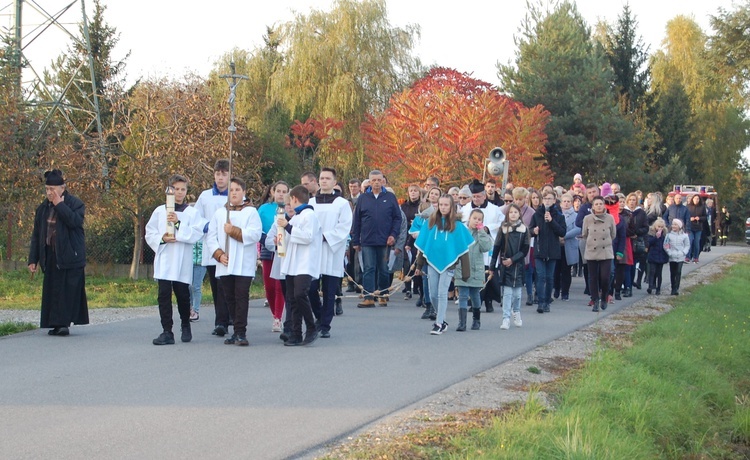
<point>57,247</point>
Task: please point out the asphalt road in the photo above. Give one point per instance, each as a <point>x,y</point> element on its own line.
<point>107,392</point>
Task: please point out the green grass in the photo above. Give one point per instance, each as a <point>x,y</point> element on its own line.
<point>8,328</point>
<point>19,292</point>
<point>681,391</point>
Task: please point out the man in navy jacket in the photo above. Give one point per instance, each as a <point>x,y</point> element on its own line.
<point>375,227</point>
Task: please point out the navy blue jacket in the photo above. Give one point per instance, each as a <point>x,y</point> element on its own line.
<point>375,219</point>
<point>656,252</point>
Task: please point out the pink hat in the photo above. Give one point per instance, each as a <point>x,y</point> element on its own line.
<point>606,189</point>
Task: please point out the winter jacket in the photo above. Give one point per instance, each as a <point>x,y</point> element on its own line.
<point>375,219</point>
<point>677,246</point>
<point>621,243</point>
<point>656,252</point>
<point>410,209</point>
<point>512,243</point>
<point>483,243</point>
<point>680,212</point>
<point>547,242</point>
<point>571,236</point>
<point>70,248</point>
<point>698,211</point>
<point>599,231</point>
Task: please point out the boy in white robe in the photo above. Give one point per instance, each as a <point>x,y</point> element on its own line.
<point>173,260</point>
<point>208,202</point>
<point>335,217</point>
<point>237,261</point>
<point>301,264</point>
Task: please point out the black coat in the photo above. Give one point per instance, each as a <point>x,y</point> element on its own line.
<point>70,248</point>
<point>511,243</point>
<point>547,244</point>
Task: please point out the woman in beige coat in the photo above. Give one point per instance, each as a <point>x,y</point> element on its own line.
<point>598,231</point>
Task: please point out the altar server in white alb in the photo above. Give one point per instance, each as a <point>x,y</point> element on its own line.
<point>335,216</point>
<point>233,245</point>
<point>173,260</point>
<point>208,202</point>
<point>301,264</point>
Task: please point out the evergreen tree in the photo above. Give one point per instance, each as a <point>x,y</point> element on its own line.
<point>628,57</point>
<point>558,66</point>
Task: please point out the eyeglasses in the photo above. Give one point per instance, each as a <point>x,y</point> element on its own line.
<point>508,201</point>
<point>463,198</point>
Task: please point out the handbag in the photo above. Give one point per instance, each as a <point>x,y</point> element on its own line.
<point>640,246</point>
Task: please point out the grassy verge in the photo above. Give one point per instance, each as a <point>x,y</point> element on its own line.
<point>19,292</point>
<point>9,328</point>
<point>680,390</point>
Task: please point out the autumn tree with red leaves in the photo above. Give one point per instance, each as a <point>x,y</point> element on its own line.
<point>446,124</point>
<point>317,142</point>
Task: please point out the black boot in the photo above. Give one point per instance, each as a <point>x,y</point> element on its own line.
<point>596,306</point>
<point>617,296</point>
<point>488,305</point>
<point>426,313</point>
<point>628,292</point>
<point>461,320</point>
<point>476,314</point>
<point>433,313</point>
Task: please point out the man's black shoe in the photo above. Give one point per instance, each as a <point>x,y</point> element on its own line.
<point>220,330</point>
<point>310,337</point>
<point>231,340</point>
<point>242,341</point>
<point>187,334</point>
<point>546,308</point>
<point>325,334</point>
<point>165,338</point>
<point>293,341</point>
<point>62,331</point>
<point>351,288</point>
<point>284,336</point>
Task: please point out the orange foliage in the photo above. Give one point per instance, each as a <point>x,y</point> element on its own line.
<point>446,124</point>
<point>315,141</point>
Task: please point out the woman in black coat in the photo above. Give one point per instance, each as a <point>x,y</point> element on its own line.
<point>57,247</point>
<point>547,226</point>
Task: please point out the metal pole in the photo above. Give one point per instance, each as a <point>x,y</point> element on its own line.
<point>97,113</point>
<point>233,79</point>
<point>17,37</point>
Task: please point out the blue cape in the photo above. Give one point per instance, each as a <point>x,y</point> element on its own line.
<point>442,249</point>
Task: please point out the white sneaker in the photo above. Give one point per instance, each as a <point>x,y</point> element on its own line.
<point>276,325</point>
<point>506,324</point>
<point>517,319</point>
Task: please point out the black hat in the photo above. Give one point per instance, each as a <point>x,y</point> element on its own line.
<point>54,177</point>
<point>476,186</point>
<point>611,199</point>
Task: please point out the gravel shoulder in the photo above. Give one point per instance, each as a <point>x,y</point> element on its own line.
<point>476,399</point>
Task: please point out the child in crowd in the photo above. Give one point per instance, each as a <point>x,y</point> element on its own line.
<point>173,261</point>
<point>657,256</point>
<point>471,287</point>
<point>232,244</point>
<point>301,264</point>
<point>511,247</point>
<point>677,245</point>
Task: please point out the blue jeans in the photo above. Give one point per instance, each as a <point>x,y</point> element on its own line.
<point>375,271</point>
<point>511,300</point>
<point>695,244</point>
<point>545,278</point>
<point>196,289</point>
<point>439,284</point>
<point>426,285</point>
<point>529,272</point>
<point>466,293</point>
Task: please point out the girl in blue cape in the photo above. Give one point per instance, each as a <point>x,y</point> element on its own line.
<point>443,240</point>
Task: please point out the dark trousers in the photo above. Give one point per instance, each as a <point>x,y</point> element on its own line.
<point>620,270</point>
<point>545,274</point>
<point>298,301</point>
<point>599,273</point>
<point>323,311</point>
<point>220,302</point>
<point>675,275</point>
<point>164,297</point>
<point>236,291</point>
<point>562,275</point>
<point>654,275</point>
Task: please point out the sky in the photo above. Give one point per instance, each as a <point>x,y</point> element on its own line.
<point>170,38</point>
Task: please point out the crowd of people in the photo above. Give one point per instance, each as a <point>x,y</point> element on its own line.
<point>477,244</point>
